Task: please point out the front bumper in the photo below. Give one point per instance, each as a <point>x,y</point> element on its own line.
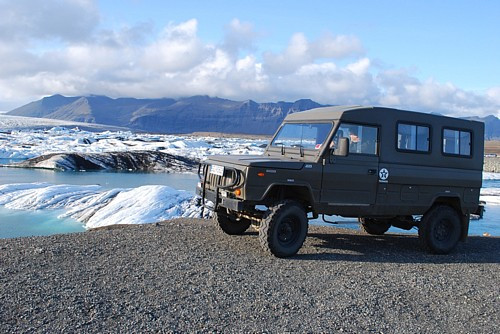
<point>219,200</point>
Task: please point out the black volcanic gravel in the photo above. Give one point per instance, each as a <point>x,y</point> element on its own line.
<point>185,276</point>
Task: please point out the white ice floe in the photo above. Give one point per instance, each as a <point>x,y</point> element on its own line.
<point>30,143</point>
<point>491,176</point>
<point>490,195</point>
<point>42,195</point>
<point>94,207</point>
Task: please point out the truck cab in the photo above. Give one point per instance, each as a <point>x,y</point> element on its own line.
<point>386,167</point>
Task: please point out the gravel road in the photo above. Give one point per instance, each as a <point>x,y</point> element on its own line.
<point>184,276</point>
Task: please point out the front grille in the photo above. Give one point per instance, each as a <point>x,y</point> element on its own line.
<point>214,181</point>
<point>228,180</point>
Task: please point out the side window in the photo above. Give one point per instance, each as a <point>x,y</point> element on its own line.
<point>362,138</point>
<point>457,142</point>
<point>413,137</point>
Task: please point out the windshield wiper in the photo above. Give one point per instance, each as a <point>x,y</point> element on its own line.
<point>301,149</point>
<point>282,147</point>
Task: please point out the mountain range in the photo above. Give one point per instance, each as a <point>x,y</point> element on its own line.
<point>184,115</point>
<point>491,126</point>
<point>166,115</point>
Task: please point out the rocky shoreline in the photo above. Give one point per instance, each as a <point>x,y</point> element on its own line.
<point>117,161</point>
<point>184,276</point>
<point>492,164</point>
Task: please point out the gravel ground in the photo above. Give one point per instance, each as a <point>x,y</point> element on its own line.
<point>184,276</point>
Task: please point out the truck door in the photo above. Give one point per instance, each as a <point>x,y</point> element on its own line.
<point>352,179</point>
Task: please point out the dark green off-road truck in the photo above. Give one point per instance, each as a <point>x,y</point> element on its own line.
<point>384,166</point>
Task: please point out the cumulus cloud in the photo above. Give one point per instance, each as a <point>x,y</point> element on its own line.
<point>296,54</point>
<point>239,36</point>
<point>340,46</point>
<point>138,61</point>
<point>301,52</point>
<point>178,49</point>
<point>67,20</point>
<point>493,95</point>
<point>402,90</point>
<point>127,35</point>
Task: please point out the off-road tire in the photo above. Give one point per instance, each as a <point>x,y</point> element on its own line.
<point>440,229</point>
<point>230,225</point>
<point>374,227</point>
<point>283,229</point>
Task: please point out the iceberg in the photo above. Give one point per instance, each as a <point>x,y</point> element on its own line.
<point>95,207</point>
<point>32,143</point>
<point>490,195</point>
<point>491,176</point>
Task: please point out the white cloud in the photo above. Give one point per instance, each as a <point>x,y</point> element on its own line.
<point>135,61</point>
<point>300,52</point>
<point>239,36</point>
<point>178,49</point>
<point>493,95</point>
<point>295,55</point>
<point>15,60</point>
<point>340,46</point>
<point>404,91</point>
<point>360,67</point>
<point>127,35</point>
<point>67,20</point>
<point>329,83</point>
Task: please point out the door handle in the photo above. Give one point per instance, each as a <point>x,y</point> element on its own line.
<point>372,171</point>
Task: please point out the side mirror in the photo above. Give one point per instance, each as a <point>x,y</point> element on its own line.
<point>343,148</point>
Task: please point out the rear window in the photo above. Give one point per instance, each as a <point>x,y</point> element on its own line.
<point>413,137</point>
<point>457,142</point>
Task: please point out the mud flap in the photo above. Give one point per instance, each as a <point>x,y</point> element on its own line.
<point>204,186</point>
<point>480,209</point>
<point>465,227</point>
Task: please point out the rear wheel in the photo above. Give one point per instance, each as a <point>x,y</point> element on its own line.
<point>283,229</point>
<point>230,224</point>
<point>374,226</point>
<point>440,229</point>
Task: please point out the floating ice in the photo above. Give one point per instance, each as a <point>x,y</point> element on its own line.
<point>491,176</point>
<point>491,196</point>
<point>30,143</point>
<point>95,207</point>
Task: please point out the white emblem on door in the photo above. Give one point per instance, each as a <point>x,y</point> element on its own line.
<point>383,174</point>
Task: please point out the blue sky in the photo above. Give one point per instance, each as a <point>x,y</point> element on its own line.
<point>457,41</point>
<point>422,55</point>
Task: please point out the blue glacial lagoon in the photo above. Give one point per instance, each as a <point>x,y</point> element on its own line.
<point>20,223</point>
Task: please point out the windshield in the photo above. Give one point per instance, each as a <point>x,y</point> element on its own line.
<point>302,135</point>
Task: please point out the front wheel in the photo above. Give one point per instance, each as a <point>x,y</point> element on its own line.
<point>283,229</point>
<point>231,225</point>
<point>439,230</point>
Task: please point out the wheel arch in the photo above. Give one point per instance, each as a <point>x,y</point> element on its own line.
<point>300,193</point>
<point>452,201</point>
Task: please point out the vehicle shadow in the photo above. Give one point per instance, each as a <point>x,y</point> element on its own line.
<point>394,248</point>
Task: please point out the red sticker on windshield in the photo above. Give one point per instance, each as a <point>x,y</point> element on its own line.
<point>318,146</point>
